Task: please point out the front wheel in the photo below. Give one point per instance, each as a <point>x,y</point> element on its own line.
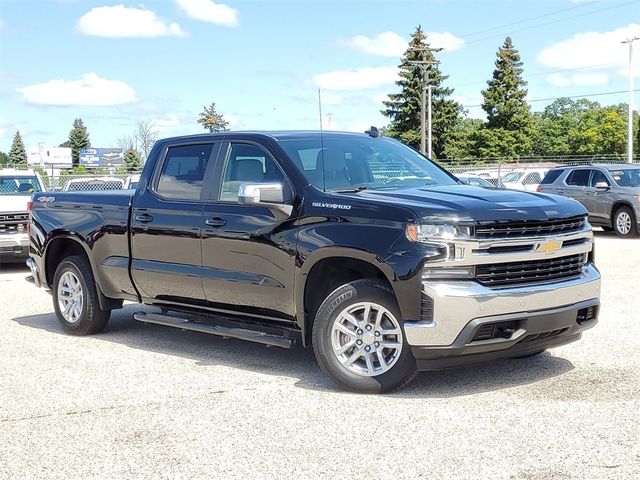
<point>75,298</point>
<point>358,339</point>
<point>624,222</point>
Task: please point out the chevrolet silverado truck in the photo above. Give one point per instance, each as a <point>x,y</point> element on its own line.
<point>352,244</point>
<point>16,188</point>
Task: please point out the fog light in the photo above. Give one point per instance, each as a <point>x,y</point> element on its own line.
<point>452,273</point>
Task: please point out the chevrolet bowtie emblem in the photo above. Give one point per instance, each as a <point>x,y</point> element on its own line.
<point>549,247</point>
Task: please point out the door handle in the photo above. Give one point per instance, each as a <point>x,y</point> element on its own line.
<point>143,218</point>
<point>216,222</point>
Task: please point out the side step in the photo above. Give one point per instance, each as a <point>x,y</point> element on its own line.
<point>223,331</point>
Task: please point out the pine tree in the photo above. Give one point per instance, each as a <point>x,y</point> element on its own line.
<point>211,120</point>
<point>504,101</point>
<point>132,161</point>
<point>78,139</point>
<point>17,154</point>
<point>404,108</point>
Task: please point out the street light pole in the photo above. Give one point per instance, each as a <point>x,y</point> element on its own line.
<point>425,110</point>
<point>630,113</point>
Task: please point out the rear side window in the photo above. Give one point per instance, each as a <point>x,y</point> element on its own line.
<point>578,178</point>
<point>551,176</point>
<point>183,171</point>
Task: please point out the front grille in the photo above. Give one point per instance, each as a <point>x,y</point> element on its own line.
<point>13,222</point>
<point>534,271</point>
<point>539,336</point>
<point>530,229</point>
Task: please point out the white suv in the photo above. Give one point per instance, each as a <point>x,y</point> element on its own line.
<point>16,188</point>
<point>523,179</point>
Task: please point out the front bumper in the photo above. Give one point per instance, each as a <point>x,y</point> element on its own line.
<point>14,246</point>
<point>460,308</point>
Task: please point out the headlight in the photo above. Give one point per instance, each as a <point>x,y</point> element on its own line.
<point>434,231</point>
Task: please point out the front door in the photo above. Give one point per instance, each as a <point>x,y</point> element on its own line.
<point>598,202</point>
<point>248,251</point>
<point>167,226</point>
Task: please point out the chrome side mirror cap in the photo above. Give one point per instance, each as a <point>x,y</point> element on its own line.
<point>269,195</point>
<point>603,186</point>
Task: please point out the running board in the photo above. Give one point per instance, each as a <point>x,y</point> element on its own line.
<point>223,331</point>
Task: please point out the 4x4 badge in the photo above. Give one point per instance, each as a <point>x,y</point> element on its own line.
<point>549,247</point>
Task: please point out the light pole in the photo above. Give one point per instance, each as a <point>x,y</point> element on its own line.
<point>425,110</point>
<point>630,115</point>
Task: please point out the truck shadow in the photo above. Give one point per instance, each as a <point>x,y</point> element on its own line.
<point>299,363</point>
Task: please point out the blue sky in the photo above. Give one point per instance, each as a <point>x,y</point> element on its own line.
<point>114,63</point>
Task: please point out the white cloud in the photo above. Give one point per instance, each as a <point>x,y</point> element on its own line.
<point>590,79</point>
<point>91,90</point>
<point>558,80</point>
<point>578,79</point>
<point>329,98</point>
<point>445,40</point>
<point>386,44</point>
<point>359,79</point>
<point>390,44</point>
<point>591,49</point>
<point>209,11</point>
<point>382,97</point>
<point>125,22</point>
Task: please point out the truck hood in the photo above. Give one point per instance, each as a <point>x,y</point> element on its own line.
<point>14,203</point>
<point>465,203</point>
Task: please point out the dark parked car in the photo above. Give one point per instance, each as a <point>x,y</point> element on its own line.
<point>352,244</point>
<point>611,193</point>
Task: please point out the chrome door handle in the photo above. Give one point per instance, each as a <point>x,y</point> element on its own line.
<point>143,218</point>
<point>216,222</point>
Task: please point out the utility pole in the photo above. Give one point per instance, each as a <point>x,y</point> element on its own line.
<point>425,110</point>
<point>630,116</point>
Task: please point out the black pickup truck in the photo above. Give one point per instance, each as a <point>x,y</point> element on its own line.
<point>353,244</point>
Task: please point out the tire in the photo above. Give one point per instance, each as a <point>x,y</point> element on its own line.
<point>345,308</point>
<point>75,298</point>
<point>624,222</point>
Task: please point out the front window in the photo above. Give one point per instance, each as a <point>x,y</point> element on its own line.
<point>350,162</point>
<point>19,185</point>
<point>629,177</point>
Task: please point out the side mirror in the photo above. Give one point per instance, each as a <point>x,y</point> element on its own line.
<point>602,186</point>
<point>270,195</point>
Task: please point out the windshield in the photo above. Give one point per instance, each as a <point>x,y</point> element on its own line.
<point>352,162</point>
<point>627,178</point>
<point>512,177</point>
<point>19,185</point>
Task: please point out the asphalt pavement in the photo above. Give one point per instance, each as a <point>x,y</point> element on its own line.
<point>145,401</point>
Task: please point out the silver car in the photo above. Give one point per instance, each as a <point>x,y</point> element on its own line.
<point>611,193</point>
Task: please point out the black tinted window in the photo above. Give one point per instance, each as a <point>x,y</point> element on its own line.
<point>579,178</point>
<point>597,177</point>
<point>247,164</point>
<point>183,172</point>
<point>551,176</point>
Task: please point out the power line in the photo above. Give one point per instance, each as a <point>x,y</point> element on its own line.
<point>530,19</point>
<point>566,96</point>
<point>611,7</point>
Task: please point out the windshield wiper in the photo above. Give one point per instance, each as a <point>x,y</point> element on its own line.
<point>350,190</point>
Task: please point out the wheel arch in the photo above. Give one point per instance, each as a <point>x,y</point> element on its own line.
<point>338,266</point>
<point>69,244</point>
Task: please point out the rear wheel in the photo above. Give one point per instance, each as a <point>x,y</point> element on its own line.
<point>75,298</point>
<point>624,222</point>
<point>358,339</point>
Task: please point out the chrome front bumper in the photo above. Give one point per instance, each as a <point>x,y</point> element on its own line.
<point>14,240</point>
<point>456,304</point>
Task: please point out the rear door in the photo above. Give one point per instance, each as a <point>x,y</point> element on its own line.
<point>248,251</point>
<point>166,225</point>
<point>598,202</point>
<point>576,184</point>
